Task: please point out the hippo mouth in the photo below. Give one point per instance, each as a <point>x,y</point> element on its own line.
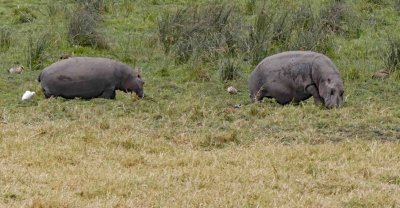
<point>333,104</point>
<point>140,94</point>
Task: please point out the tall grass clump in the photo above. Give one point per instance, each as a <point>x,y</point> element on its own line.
<point>35,55</point>
<point>200,33</point>
<point>392,61</point>
<point>250,6</point>
<point>94,6</point>
<point>338,18</point>
<point>229,69</point>
<point>332,16</point>
<point>23,15</point>
<point>307,32</point>
<point>303,29</point>
<point>5,38</point>
<point>170,28</point>
<point>377,2</point>
<point>83,30</point>
<point>397,5</point>
<point>281,28</point>
<point>125,51</point>
<point>54,8</point>
<point>259,36</point>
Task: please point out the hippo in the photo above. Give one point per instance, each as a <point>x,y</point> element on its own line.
<point>294,76</point>
<point>89,77</point>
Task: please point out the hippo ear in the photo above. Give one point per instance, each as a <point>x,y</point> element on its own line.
<point>323,90</point>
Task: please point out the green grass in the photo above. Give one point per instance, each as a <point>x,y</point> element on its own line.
<point>184,145</point>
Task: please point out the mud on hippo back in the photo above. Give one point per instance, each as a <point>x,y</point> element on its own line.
<point>87,77</point>
<point>294,76</point>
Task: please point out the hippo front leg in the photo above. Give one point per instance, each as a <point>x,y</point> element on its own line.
<point>108,94</point>
<point>312,89</point>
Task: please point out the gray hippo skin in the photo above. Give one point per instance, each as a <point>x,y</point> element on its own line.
<point>294,76</point>
<point>87,78</point>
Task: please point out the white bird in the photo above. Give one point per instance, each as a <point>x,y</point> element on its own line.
<point>27,95</point>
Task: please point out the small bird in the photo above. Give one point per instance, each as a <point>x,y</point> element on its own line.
<point>232,90</point>
<point>237,106</point>
<point>66,56</point>
<point>27,95</point>
<point>17,69</point>
<point>383,74</point>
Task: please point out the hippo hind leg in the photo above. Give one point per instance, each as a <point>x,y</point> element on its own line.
<point>46,93</point>
<point>108,94</point>
<point>262,93</point>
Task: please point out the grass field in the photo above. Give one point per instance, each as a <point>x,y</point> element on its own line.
<point>184,145</point>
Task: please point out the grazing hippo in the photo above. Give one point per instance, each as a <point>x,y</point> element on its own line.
<point>88,78</point>
<point>295,76</point>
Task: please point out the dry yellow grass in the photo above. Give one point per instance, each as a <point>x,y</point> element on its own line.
<point>96,171</point>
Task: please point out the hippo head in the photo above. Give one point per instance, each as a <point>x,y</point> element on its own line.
<point>134,83</point>
<point>331,91</point>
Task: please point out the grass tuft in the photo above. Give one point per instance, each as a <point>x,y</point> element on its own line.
<point>229,69</point>
<point>251,6</point>
<point>199,33</point>
<point>352,74</point>
<point>35,55</point>
<point>393,54</point>
<point>23,15</point>
<point>94,6</point>
<point>397,5</point>
<point>308,33</point>
<point>282,28</point>
<point>84,30</point>
<point>337,17</point>
<point>54,9</point>
<point>377,2</point>
<point>5,38</point>
<point>391,179</point>
<point>220,140</point>
<point>259,37</point>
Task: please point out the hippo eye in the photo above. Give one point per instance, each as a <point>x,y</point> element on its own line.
<point>329,80</point>
<point>138,76</point>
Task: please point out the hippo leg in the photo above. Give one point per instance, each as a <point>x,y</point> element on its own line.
<point>260,94</point>
<point>264,91</point>
<point>46,94</point>
<point>312,89</point>
<point>108,94</point>
<point>274,91</point>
